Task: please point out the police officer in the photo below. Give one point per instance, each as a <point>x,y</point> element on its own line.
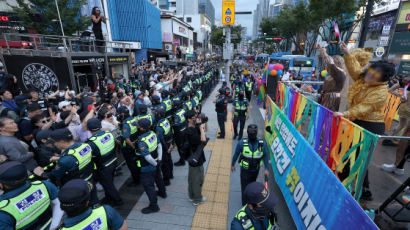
<point>248,88</point>
<point>221,103</point>
<point>251,152</point>
<point>156,102</point>
<point>187,103</point>
<point>240,111</point>
<point>129,132</point>
<point>75,201</point>
<point>103,149</point>
<point>258,213</point>
<point>166,104</point>
<point>179,126</point>
<point>238,88</point>
<point>18,209</point>
<point>164,134</point>
<point>145,115</point>
<point>75,161</point>
<point>149,154</point>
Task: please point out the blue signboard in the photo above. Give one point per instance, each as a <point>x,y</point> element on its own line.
<point>315,197</point>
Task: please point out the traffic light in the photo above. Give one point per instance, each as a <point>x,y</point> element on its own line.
<point>278,39</point>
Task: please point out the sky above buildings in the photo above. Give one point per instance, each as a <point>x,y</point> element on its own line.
<point>241,5</point>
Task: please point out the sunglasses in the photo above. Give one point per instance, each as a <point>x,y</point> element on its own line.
<point>45,120</point>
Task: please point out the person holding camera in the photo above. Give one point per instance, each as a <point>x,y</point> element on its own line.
<point>195,136</point>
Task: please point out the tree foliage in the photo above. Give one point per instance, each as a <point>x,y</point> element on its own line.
<point>302,24</point>
<point>217,37</point>
<point>47,19</point>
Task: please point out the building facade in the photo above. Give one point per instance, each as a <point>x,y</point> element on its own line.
<point>136,21</point>
<point>176,34</point>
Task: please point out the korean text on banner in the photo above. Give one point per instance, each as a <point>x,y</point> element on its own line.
<point>313,194</point>
<point>228,12</point>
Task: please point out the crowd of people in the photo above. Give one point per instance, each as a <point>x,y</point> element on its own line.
<point>59,146</point>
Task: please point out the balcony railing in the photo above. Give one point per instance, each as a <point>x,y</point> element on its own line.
<point>63,44</point>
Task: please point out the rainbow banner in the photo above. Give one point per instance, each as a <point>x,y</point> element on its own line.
<point>261,94</point>
<point>390,110</point>
<point>315,197</point>
<point>344,146</point>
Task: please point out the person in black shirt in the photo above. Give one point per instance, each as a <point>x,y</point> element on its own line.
<point>195,135</point>
<point>96,18</point>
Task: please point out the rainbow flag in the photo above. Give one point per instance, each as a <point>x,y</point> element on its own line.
<point>262,94</point>
<point>265,72</point>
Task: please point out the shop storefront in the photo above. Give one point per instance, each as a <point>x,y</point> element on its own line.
<point>399,52</point>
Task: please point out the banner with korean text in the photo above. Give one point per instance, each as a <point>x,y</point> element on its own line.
<point>314,195</point>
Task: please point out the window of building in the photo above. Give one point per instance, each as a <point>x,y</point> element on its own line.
<point>188,19</point>
<point>173,4</point>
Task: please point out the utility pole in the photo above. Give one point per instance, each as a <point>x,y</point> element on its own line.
<point>365,23</point>
<point>228,52</point>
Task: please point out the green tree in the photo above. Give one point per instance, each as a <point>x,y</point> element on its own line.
<point>69,10</point>
<point>217,37</point>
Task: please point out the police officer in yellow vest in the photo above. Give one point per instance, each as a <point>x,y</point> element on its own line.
<point>103,150</point>
<point>129,132</point>
<point>75,161</point>
<point>166,104</point>
<point>27,205</point>
<point>149,154</point>
<point>251,151</point>
<point>75,201</point>
<point>258,213</point>
<point>164,134</point>
<point>143,109</point>
<point>179,126</point>
<point>240,112</point>
<point>248,88</point>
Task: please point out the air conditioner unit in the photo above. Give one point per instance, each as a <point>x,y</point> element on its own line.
<point>168,47</point>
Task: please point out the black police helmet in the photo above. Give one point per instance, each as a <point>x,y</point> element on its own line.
<point>252,128</point>
<point>143,108</point>
<point>164,93</point>
<point>160,112</point>
<point>222,91</point>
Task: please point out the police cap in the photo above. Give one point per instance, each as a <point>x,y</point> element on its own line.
<point>61,134</point>
<point>74,192</point>
<point>123,109</point>
<point>93,124</point>
<point>12,172</point>
<point>256,193</point>
<point>144,123</point>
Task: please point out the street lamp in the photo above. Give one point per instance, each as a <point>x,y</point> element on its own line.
<point>264,40</point>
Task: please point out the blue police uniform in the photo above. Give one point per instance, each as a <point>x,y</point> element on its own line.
<point>257,224</point>
<point>166,141</point>
<point>67,169</point>
<point>114,219</point>
<point>221,105</point>
<point>239,115</point>
<point>7,222</point>
<point>127,151</point>
<point>106,165</point>
<point>150,174</point>
<point>249,175</point>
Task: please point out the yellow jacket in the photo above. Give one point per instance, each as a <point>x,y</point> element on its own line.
<point>366,100</point>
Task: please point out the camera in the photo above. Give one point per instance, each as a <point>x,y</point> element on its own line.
<point>203,118</point>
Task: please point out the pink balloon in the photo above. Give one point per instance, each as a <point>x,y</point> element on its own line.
<point>271,67</point>
<point>281,67</point>
<point>276,66</point>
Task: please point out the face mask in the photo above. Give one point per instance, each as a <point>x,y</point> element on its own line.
<point>252,136</point>
<point>260,212</point>
<point>61,94</point>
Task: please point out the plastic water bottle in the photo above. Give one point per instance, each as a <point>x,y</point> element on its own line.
<point>370,213</point>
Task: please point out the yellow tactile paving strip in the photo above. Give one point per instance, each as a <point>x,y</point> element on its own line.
<point>213,213</point>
